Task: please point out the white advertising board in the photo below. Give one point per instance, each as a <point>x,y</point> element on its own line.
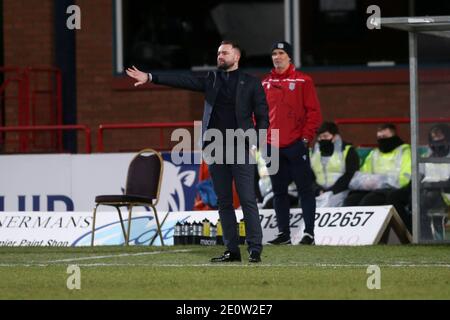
<point>63,182</point>
<point>71,229</point>
<point>334,226</point>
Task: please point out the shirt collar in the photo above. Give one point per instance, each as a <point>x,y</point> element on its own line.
<point>289,71</point>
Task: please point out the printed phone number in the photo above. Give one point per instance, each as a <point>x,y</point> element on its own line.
<point>327,219</point>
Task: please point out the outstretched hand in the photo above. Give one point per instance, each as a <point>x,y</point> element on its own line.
<point>139,76</point>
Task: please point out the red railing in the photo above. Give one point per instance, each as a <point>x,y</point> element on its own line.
<point>15,75</point>
<point>53,91</point>
<point>24,146</point>
<point>387,120</point>
<point>393,120</point>
<point>100,138</point>
<point>29,89</point>
<point>121,126</point>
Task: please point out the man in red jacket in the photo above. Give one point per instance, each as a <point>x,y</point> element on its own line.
<point>294,110</point>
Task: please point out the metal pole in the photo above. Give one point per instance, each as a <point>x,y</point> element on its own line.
<point>296,31</point>
<point>414,98</point>
<point>119,35</point>
<point>411,7</point>
<point>287,20</point>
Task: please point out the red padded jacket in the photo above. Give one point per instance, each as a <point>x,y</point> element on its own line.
<point>294,108</point>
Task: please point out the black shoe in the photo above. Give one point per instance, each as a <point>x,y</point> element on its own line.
<point>254,257</point>
<point>228,256</point>
<point>307,239</point>
<point>282,238</point>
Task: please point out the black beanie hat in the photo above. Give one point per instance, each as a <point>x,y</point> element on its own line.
<point>283,45</point>
<point>330,127</point>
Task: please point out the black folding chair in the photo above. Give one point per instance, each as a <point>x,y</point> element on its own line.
<point>143,185</point>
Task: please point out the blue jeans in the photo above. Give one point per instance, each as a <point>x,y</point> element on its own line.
<point>294,166</point>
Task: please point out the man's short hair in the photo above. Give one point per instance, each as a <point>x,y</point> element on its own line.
<point>233,44</point>
<point>328,126</point>
<point>389,126</point>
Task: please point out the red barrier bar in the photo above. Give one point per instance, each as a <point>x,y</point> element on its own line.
<point>54,91</point>
<point>9,69</point>
<point>59,106</point>
<point>386,120</point>
<point>84,128</point>
<point>24,111</point>
<point>157,125</point>
<point>27,92</point>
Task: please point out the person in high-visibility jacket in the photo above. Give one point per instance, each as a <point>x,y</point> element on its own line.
<point>334,163</point>
<point>390,163</point>
<point>435,185</point>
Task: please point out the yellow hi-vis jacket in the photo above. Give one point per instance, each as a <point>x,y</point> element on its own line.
<point>327,175</point>
<point>396,164</point>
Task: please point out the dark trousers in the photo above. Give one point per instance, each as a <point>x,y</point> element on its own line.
<point>399,198</point>
<point>431,200</point>
<point>243,174</point>
<point>294,166</point>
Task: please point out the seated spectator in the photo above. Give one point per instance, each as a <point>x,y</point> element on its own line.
<point>435,185</point>
<point>385,176</point>
<point>333,162</point>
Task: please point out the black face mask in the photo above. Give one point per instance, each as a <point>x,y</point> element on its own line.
<point>326,148</point>
<point>440,148</point>
<point>388,144</point>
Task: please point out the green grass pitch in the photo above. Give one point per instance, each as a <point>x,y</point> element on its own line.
<point>184,272</point>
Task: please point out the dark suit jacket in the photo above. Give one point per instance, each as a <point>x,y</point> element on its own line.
<point>250,97</point>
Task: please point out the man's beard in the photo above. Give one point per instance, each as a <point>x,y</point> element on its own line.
<point>224,66</point>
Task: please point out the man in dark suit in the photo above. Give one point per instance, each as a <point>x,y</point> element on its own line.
<point>232,100</point>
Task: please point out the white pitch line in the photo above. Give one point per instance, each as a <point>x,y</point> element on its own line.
<point>233,265</point>
<point>119,255</point>
<point>394,265</point>
<point>13,265</point>
<point>321,265</point>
